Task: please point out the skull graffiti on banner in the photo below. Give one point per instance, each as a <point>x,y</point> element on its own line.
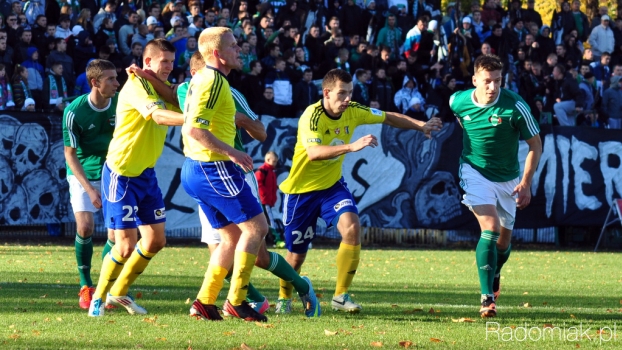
<point>29,148</point>
<point>42,193</point>
<point>7,133</point>
<point>6,178</point>
<point>437,200</point>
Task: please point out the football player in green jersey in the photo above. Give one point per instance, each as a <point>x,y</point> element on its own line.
<point>88,124</point>
<point>493,119</point>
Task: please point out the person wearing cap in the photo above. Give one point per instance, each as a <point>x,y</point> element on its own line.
<point>151,22</point>
<point>602,38</point>
<point>62,30</point>
<point>416,110</point>
<point>612,103</point>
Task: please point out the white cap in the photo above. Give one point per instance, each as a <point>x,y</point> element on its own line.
<point>175,19</point>
<point>28,102</point>
<point>151,20</point>
<point>415,101</point>
<point>605,18</point>
<point>466,20</point>
<point>76,30</point>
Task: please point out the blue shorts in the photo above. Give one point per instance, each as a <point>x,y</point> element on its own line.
<point>221,190</point>
<point>300,213</point>
<point>129,202</point>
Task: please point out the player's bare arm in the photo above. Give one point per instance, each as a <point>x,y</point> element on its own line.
<point>254,128</point>
<point>209,141</point>
<point>402,121</point>
<point>168,93</point>
<point>71,157</point>
<point>523,189</point>
<point>321,152</point>
<point>166,117</point>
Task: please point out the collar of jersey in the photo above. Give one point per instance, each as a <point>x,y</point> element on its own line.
<point>483,105</point>
<point>216,70</point>
<point>326,112</point>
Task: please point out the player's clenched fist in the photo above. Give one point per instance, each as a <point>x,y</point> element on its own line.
<point>434,124</point>
<point>367,140</point>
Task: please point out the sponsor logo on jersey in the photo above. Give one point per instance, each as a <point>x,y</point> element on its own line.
<point>157,103</point>
<point>92,126</point>
<point>337,131</point>
<point>343,203</point>
<point>495,120</point>
<point>347,129</point>
<point>202,121</point>
<point>467,117</point>
<point>376,112</point>
<point>159,214</point>
<point>314,140</point>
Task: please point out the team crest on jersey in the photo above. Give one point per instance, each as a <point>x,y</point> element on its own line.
<point>376,112</point>
<point>495,120</point>
<point>337,131</point>
<point>112,119</point>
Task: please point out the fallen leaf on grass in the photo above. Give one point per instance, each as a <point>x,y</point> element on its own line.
<point>577,345</point>
<point>463,319</point>
<point>59,319</point>
<point>59,303</point>
<point>139,295</point>
<point>573,316</point>
<point>150,320</point>
<point>14,336</point>
<point>154,292</point>
<point>36,332</point>
<point>431,311</point>
<point>525,293</point>
<point>110,321</point>
<point>318,295</point>
<point>405,344</point>
<point>435,340</point>
<point>245,347</point>
<point>600,331</point>
<point>43,296</point>
<point>187,301</point>
<point>412,311</point>
<point>360,326</point>
<point>394,305</point>
<point>229,333</point>
<point>264,325</point>
<point>526,305</point>
<point>609,310</point>
<point>545,303</point>
<point>161,339</point>
<point>548,325</point>
<point>381,333</point>
<point>376,344</point>
<point>327,332</point>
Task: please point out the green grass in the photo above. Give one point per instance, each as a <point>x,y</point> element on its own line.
<point>397,288</point>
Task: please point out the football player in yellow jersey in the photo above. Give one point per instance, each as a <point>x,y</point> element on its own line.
<point>131,198</point>
<point>315,187</point>
<point>213,174</point>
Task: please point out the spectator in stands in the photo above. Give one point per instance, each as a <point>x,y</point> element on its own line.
<point>582,24</point>
<point>184,58</point>
<point>567,95</point>
<point>282,87</point>
<point>305,93</point>
<point>83,22</point>
<point>381,90</point>
<point>62,30</point>
<point>6,90</point>
<point>545,42</point>
<point>602,10</point>
<point>601,71</point>
<point>196,26</point>
<point>406,93</point>
<point>12,30</point>
<point>252,85</point>
<point>531,15</point>
<point>416,110</point>
<point>105,32</point>
<point>269,61</point>
<point>419,40</point>
<point>136,57</point>
<point>390,36</point>
<point>55,89</point>
<point>85,50</point>
<point>60,55</point>
<point>302,58</point>
<point>589,90</point>
<point>612,103</point>
<point>38,32</point>
<point>266,105</point>
<point>246,56</point>
<point>360,92</point>
<point>481,28</point>
<point>551,62</point>
<point>143,36</point>
<point>22,96</point>
<point>22,46</point>
<point>6,57</point>
<point>126,32</point>
<point>563,23</point>
<point>35,74</point>
<point>602,39</point>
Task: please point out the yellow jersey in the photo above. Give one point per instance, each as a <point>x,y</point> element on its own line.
<point>316,128</point>
<point>138,140</point>
<point>209,106</point>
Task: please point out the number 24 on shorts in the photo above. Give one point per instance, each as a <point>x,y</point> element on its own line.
<point>300,239</point>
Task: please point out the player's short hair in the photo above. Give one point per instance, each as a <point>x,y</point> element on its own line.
<point>334,76</point>
<point>156,46</point>
<point>488,63</point>
<point>271,153</point>
<point>211,39</point>
<point>95,69</point>
<point>196,61</point>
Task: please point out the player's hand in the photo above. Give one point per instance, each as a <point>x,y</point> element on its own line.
<point>434,124</point>
<point>136,70</point>
<point>95,197</point>
<point>524,195</point>
<point>243,160</point>
<point>367,140</point>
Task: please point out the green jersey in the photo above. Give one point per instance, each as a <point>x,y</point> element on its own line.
<point>240,106</point>
<point>491,132</point>
<point>89,130</point>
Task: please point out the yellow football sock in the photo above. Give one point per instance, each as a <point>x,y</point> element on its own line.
<point>212,284</point>
<point>111,268</point>
<point>135,265</point>
<point>285,292</point>
<point>348,257</point>
<point>243,264</point>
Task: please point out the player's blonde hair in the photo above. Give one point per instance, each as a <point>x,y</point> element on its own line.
<point>196,61</point>
<point>211,39</point>
<point>95,69</point>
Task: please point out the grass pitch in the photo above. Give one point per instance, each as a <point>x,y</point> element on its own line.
<point>423,299</point>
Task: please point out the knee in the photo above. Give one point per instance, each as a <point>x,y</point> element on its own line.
<point>124,249</point>
<point>156,245</point>
<point>503,244</point>
<point>84,231</point>
<point>351,229</point>
<point>263,259</point>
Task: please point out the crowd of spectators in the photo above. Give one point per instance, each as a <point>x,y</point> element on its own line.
<point>405,55</point>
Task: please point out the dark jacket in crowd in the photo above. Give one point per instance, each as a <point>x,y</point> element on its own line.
<point>382,91</point>
<point>305,94</point>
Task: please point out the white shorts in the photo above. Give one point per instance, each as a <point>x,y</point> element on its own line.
<point>80,200</point>
<point>210,235</point>
<point>479,191</point>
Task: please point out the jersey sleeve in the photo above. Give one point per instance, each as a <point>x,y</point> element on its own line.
<point>525,122</point>
<point>453,104</point>
<point>310,128</point>
<point>145,100</point>
<point>71,130</point>
<point>182,90</point>
<point>367,115</point>
<point>202,100</point>
<point>241,105</point>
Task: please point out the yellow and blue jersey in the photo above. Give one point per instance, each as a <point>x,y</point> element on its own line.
<point>209,106</point>
<point>138,140</point>
<point>316,128</point>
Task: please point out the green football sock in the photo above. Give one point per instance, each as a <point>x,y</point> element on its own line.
<point>283,270</point>
<point>486,258</point>
<point>84,253</point>
<point>252,293</point>
<point>502,258</point>
<point>109,244</point>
